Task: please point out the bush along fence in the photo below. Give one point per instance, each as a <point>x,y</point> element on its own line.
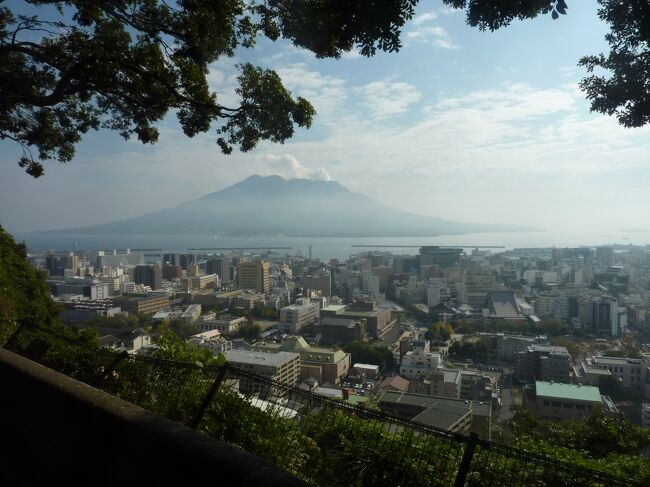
<point>320,440</point>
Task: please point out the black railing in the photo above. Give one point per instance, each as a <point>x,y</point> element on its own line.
<point>323,441</point>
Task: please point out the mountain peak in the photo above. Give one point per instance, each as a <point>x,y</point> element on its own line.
<point>275,186</point>
<point>274,206</point>
<point>259,177</point>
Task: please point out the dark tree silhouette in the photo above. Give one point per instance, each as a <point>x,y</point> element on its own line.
<point>626,92</point>
<point>124,64</point>
<point>76,65</point>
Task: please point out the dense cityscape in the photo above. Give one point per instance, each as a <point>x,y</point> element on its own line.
<point>469,333</point>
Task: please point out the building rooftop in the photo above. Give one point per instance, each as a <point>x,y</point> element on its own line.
<point>394,381</point>
<point>583,368</point>
<point>549,349</point>
<point>108,341</point>
<point>162,314</point>
<point>259,358</point>
<point>575,392</point>
<point>442,416</point>
<point>329,392</point>
<point>366,367</point>
<point>334,307</point>
<point>618,360</point>
<point>300,346</point>
<point>295,344</point>
<point>478,408</point>
<point>191,310</point>
<point>342,322</point>
<point>363,314</point>
<point>207,335</point>
<point>522,338</point>
<point>222,318</point>
<point>294,307</point>
<point>503,304</point>
<point>356,399</point>
<point>452,375</point>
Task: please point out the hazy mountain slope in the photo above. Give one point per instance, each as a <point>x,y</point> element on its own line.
<point>273,206</point>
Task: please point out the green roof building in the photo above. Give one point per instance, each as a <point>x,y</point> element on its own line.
<point>554,400</point>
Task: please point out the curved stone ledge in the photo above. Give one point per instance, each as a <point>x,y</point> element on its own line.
<point>55,430</point>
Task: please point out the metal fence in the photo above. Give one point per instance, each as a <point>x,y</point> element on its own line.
<point>323,441</point>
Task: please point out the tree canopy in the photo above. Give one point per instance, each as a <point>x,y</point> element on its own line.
<point>24,296</point>
<point>368,354</point>
<point>603,441</point>
<point>70,66</point>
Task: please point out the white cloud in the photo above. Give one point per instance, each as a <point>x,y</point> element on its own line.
<point>387,98</point>
<point>450,11</point>
<point>289,167</point>
<point>434,35</point>
<point>222,78</point>
<point>423,18</point>
<point>515,154</point>
<point>353,54</point>
<point>289,53</point>
<point>324,92</point>
<point>513,101</point>
<point>425,32</point>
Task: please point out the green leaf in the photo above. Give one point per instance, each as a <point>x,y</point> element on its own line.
<point>221,360</point>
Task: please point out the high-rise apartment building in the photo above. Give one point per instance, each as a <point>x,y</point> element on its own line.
<point>318,282</point>
<point>544,362</point>
<point>605,317</point>
<point>54,265</point>
<point>186,260</point>
<point>172,259</point>
<point>172,271</point>
<point>294,318</point>
<point>605,255</point>
<point>254,275</point>
<point>148,275</point>
<point>222,267</point>
<point>442,257</point>
<point>71,261</point>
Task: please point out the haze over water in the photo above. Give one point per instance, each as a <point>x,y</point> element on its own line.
<point>326,248</point>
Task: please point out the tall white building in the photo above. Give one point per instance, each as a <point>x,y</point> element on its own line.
<point>370,282</point>
<point>191,313</point>
<point>436,291</point>
<point>634,373</point>
<point>546,277</point>
<point>418,364</point>
<point>212,341</point>
<point>295,317</point>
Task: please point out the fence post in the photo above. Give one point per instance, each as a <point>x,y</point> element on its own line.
<point>466,462</point>
<point>111,367</point>
<point>36,349</point>
<point>14,336</point>
<point>221,374</point>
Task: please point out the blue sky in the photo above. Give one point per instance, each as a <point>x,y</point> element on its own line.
<point>460,124</point>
